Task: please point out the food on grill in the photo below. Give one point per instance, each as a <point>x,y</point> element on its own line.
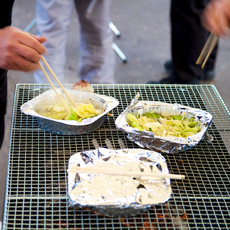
<point>78,113</point>
<point>118,191</point>
<point>84,86</point>
<point>165,127</point>
<point>172,125</point>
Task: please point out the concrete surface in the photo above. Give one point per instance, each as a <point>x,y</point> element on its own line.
<point>144,27</point>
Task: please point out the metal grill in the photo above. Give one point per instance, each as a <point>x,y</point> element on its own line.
<point>36,190</point>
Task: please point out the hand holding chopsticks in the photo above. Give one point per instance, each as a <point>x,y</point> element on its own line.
<point>123,173</point>
<point>52,85</point>
<point>207,50</point>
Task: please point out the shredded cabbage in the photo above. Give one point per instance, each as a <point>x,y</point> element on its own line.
<point>82,111</point>
<point>174,125</point>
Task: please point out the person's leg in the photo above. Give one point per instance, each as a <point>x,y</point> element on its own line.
<point>53,18</point>
<point>3,101</point>
<point>97,58</point>
<point>187,38</point>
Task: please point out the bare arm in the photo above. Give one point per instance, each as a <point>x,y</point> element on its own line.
<point>19,50</point>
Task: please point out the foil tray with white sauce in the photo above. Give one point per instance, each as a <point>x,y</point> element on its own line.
<point>117,195</point>
<point>69,127</point>
<point>168,144</point>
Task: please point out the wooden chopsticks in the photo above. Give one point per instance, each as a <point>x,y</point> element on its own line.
<point>207,50</point>
<point>122,173</point>
<point>52,85</point>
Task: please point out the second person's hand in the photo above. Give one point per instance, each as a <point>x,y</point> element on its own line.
<point>216,17</point>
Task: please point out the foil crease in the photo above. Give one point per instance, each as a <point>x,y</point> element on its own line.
<point>69,127</point>
<point>168,144</point>
<point>118,195</point>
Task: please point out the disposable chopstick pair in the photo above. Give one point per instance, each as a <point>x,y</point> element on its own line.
<point>207,50</point>
<point>122,173</point>
<point>52,85</point>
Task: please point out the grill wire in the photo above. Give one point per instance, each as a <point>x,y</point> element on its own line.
<point>36,189</point>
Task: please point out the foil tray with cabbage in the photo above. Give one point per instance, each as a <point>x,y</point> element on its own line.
<point>164,127</point>
<point>89,107</point>
<point>87,116</point>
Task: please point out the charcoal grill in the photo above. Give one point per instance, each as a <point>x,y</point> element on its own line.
<point>36,190</point>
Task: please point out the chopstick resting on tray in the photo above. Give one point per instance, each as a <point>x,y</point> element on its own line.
<point>207,50</point>
<point>52,85</point>
<point>122,173</point>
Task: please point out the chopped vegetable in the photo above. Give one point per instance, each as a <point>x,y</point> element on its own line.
<point>55,112</point>
<point>152,115</point>
<point>174,125</point>
<point>72,115</point>
<point>133,122</point>
<point>176,117</point>
<point>82,111</point>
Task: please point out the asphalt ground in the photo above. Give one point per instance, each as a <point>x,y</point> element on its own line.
<point>145,41</point>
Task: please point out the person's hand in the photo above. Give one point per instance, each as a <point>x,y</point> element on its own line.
<point>216,17</point>
<point>20,50</point>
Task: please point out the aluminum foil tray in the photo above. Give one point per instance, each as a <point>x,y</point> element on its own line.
<point>68,127</point>
<point>117,195</point>
<point>168,144</point>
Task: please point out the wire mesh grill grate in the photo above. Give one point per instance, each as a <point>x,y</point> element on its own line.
<point>36,191</point>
